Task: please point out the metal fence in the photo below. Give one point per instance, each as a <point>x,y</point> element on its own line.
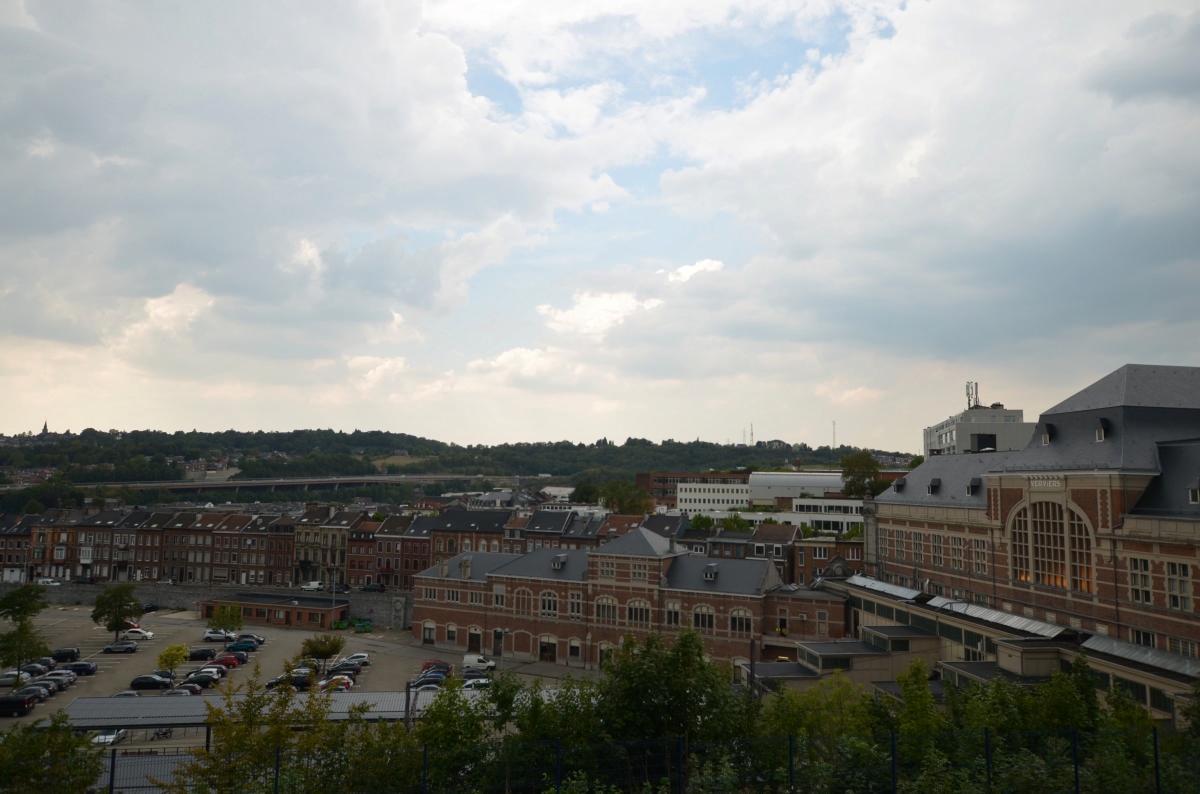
<point>1030,763</point>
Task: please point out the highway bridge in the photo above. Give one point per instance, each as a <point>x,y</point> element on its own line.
<point>305,483</point>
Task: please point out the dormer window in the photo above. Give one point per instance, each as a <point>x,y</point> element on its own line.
<point>1102,429</point>
<point>898,485</point>
<point>1047,434</point>
<point>933,486</point>
<point>974,485</point>
<point>1194,496</point>
<point>710,572</point>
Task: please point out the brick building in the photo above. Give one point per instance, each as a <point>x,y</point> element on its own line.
<point>573,606</point>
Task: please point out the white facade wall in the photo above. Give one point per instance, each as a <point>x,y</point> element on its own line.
<point>693,497</point>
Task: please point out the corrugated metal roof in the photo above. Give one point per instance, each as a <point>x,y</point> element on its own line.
<point>1006,619</point>
<point>1143,655</point>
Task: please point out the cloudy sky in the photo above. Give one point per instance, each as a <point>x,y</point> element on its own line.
<point>529,220</point>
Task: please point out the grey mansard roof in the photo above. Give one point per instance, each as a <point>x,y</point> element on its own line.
<point>1140,419</point>
<point>708,574</point>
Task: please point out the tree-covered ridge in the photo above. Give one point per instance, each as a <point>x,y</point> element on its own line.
<point>124,456</point>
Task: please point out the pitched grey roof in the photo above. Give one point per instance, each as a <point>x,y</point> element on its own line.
<point>739,577</point>
<point>951,477</point>
<point>563,564</point>
<point>479,565</point>
<point>639,542</point>
<point>1138,385</point>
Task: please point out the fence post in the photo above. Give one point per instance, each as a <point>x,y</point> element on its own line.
<point>1075,756</point>
<point>1157,769</point>
<point>112,770</point>
<point>682,754</point>
<point>791,762</point>
<point>895,768</point>
<point>987,754</point>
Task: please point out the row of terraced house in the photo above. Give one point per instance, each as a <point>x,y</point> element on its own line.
<point>333,545</point>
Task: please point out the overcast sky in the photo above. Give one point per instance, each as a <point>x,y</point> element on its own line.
<point>484,221</point>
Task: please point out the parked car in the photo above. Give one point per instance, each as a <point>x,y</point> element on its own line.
<point>428,688</point>
<point>35,669</point>
<point>110,736</point>
<point>361,657</point>
<point>180,691</point>
<point>38,693</point>
<point>339,587</point>
<point>65,654</point>
<point>258,638</point>
<point>312,586</point>
<point>225,660</point>
<point>150,682</point>
<point>12,678</point>
<point>469,673</point>
<point>61,675</point>
<point>241,656</point>
<point>373,587</point>
<point>437,664</point>
<point>48,683</point>
<point>201,654</point>
<point>149,606</point>
<point>138,634</point>
<point>478,660</point>
<point>203,680</point>
<point>190,687</point>
<point>128,693</point>
<point>46,661</point>
<point>85,580</point>
<point>352,668</point>
<point>242,645</point>
<point>82,667</point>
<point>477,683</point>
<point>16,705</point>
<point>218,635</point>
<point>47,582</point>
<point>121,646</point>
<point>170,674</point>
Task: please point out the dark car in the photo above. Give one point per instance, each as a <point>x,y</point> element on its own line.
<point>17,705</point>
<point>40,693</point>
<point>345,667</point>
<point>374,587</point>
<point>150,682</point>
<point>190,687</point>
<point>241,656</point>
<point>65,654</point>
<point>202,680</point>
<point>242,646</point>
<point>82,667</point>
<point>257,638</point>
<point>122,646</point>
<point>149,606</point>
<point>339,588</point>
<point>201,654</point>
<point>35,669</point>
<point>84,580</point>
<point>168,674</point>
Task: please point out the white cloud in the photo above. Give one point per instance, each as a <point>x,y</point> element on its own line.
<point>595,314</point>
<point>684,273</point>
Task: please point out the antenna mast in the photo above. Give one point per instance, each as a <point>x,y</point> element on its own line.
<point>972,394</point>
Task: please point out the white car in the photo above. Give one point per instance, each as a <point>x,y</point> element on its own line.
<point>138,634</point>
<point>110,736</point>
<point>49,582</point>
<point>312,586</point>
<point>358,658</point>
<point>218,635</point>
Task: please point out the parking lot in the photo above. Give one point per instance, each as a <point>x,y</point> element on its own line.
<point>395,659</point>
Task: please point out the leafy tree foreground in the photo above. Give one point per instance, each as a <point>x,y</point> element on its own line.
<point>664,718</point>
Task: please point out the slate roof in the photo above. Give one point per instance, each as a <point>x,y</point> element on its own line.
<point>560,564</point>
<point>482,563</point>
<point>1150,418</point>
<point>640,542</point>
<point>739,577</point>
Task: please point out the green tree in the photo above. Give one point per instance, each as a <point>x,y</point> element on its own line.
<point>48,756</point>
<point>586,493</point>
<point>22,642</point>
<point>22,603</point>
<point>915,461</point>
<point>625,498</point>
<point>116,606</point>
<point>323,647</point>
<point>701,522</point>
<point>735,523</point>
<point>172,656</point>
<point>921,723</point>
<point>860,475</point>
<point>226,617</point>
<point>457,728</point>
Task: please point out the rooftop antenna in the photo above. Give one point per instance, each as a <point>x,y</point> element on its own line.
<point>972,394</point>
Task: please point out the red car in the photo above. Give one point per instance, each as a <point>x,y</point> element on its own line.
<point>226,661</point>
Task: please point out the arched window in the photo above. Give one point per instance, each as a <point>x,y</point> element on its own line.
<point>606,609</point>
<point>703,618</point>
<point>1052,547</point>
<point>549,604</point>
<point>638,612</point>
<point>523,602</point>
<point>740,621</point>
